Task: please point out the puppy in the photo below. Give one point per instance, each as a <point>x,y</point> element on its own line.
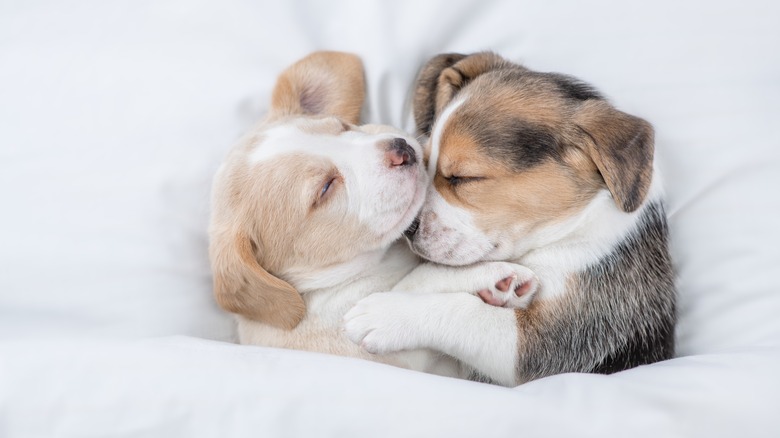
<point>308,213</point>
<point>538,169</point>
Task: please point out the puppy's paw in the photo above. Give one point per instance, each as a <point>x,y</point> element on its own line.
<point>383,322</point>
<point>510,285</point>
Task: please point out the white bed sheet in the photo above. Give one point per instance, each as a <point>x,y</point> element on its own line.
<point>191,387</point>
<point>113,116</point>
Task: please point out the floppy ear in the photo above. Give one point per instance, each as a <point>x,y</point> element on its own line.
<point>442,77</point>
<point>326,83</point>
<point>622,147</point>
<point>242,286</point>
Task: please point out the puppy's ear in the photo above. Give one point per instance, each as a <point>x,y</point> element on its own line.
<point>242,286</point>
<point>442,77</point>
<point>622,147</point>
<point>323,83</point>
<point>424,102</point>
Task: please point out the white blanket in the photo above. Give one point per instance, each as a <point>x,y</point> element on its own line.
<point>114,115</point>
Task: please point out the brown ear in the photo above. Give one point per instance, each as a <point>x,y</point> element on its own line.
<point>442,77</point>
<point>323,83</point>
<point>242,286</point>
<point>622,147</point>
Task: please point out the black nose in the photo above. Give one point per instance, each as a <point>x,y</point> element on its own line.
<point>399,153</point>
<point>412,230</point>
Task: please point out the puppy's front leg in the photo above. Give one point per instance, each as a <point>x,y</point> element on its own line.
<point>500,284</point>
<point>459,324</point>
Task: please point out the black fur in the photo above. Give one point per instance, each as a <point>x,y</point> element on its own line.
<point>517,142</point>
<point>425,90</point>
<point>528,145</point>
<point>622,315</point>
<point>573,88</point>
<point>620,312</point>
<point>643,265</point>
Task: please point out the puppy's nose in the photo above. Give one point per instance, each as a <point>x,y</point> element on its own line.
<point>399,153</point>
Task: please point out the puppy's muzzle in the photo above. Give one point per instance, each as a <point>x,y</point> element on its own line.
<point>399,153</point>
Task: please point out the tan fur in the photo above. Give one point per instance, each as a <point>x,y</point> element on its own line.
<point>591,137</point>
<point>524,159</point>
<point>309,335</point>
<point>543,194</point>
<point>453,78</point>
<point>340,93</point>
<point>621,145</point>
<point>279,304</point>
<point>535,102</point>
<point>254,191</point>
<point>248,249</point>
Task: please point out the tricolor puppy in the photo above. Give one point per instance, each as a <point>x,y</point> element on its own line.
<point>308,215</point>
<point>537,169</point>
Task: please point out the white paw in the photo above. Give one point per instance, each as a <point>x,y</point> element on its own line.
<point>384,322</point>
<point>507,285</point>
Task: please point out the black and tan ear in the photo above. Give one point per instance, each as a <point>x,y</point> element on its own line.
<point>622,147</point>
<point>323,83</point>
<point>442,77</point>
<point>243,287</point>
<point>424,101</point>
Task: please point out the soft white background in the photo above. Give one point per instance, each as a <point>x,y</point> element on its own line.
<point>114,115</point>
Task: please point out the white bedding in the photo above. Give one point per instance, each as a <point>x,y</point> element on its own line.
<point>113,116</point>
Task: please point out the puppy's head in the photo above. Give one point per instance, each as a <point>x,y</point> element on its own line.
<point>308,189</point>
<point>513,151</point>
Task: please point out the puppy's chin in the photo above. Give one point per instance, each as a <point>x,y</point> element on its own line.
<point>409,216</point>
<point>454,252</point>
<point>457,256</point>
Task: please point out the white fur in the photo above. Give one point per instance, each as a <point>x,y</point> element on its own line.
<point>378,196</point>
<point>448,234</point>
<point>387,200</point>
<point>441,121</point>
<point>485,337</point>
<point>553,252</point>
<point>579,241</point>
<point>460,325</point>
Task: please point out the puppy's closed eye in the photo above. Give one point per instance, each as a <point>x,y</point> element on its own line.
<point>325,189</point>
<point>458,180</point>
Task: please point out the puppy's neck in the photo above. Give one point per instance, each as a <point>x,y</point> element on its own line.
<point>393,261</point>
<point>581,241</point>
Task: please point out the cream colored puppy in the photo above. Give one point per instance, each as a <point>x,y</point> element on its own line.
<point>307,213</point>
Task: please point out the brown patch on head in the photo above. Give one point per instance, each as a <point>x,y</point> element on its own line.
<point>513,158</point>
<point>442,77</point>
<point>526,147</point>
<point>500,196</point>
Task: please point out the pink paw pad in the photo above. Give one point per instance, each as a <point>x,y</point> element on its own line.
<point>489,298</point>
<point>503,285</point>
<point>502,296</point>
<point>524,288</point>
